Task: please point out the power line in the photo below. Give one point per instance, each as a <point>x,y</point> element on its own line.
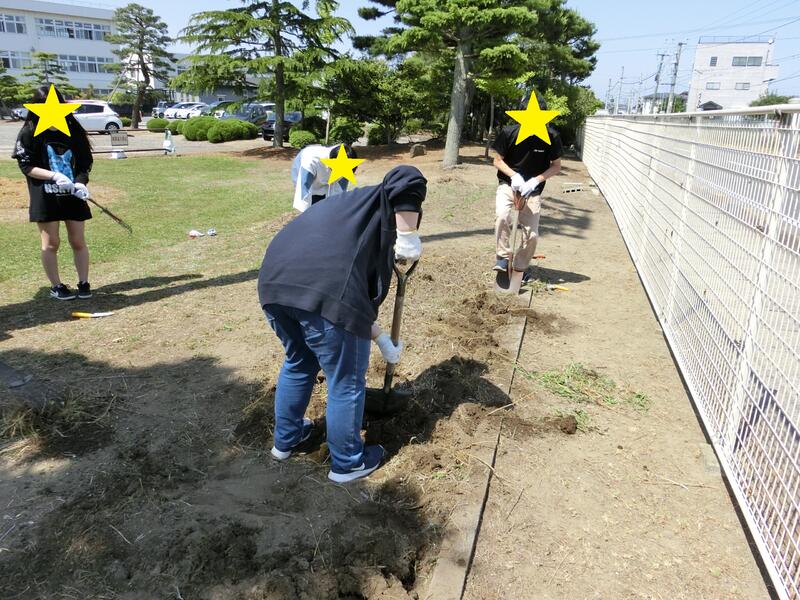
<point>647,35</point>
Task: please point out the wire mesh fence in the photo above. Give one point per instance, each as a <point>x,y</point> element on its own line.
<point>709,206</point>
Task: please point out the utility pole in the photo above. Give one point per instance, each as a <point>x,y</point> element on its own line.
<point>661,56</point>
<point>674,77</point>
<point>608,92</point>
<point>619,93</point>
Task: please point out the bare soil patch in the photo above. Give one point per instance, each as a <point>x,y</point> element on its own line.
<point>176,496</point>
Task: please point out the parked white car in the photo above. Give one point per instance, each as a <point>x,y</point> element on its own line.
<point>195,111</point>
<point>96,115</point>
<point>171,112</point>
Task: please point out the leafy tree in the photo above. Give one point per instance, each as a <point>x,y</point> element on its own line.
<point>490,40</point>
<point>770,99</point>
<point>272,42</point>
<point>44,70</point>
<point>10,89</point>
<point>89,93</point>
<point>142,39</point>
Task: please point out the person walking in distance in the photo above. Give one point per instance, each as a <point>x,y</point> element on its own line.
<point>57,168</point>
<point>522,168</point>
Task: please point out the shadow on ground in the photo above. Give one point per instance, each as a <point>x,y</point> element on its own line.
<point>42,309</point>
<point>164,488</point>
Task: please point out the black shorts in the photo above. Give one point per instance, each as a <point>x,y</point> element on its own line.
<point>50,207</point>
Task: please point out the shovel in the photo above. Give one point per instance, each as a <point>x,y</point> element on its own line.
<point>386,401</point>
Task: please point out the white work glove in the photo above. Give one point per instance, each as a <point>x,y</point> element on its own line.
<point>517,181</point>
<point>81,191</point>
<point>389,351</point>
<point>63,182</point>
<point>529,186</point>
<point>408,245</point>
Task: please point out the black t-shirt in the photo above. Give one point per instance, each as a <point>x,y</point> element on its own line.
<point>531,157</point>
<point>335,259</point>
<point>54,151</point>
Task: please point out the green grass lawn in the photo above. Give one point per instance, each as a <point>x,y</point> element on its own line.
<point>162,199</point>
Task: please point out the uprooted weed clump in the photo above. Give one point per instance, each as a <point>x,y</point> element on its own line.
<point>71,423</point>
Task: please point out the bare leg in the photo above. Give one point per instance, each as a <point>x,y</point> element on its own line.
<point>50,241</point>
<point>80,251</point>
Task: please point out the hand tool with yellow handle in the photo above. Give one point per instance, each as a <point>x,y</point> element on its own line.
<point>88,315</point>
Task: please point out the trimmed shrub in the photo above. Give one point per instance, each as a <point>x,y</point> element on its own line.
<point>157,124</point>
<point>299,138</point>
<point>413,126</point>
<point>174,127</point>
<point>126,121</point>
<point>315,125</point>
<point>231,129</point>
<point>196,128</point>
<point>376,135</point>
<point>179,125</point>
<point>346,131</point>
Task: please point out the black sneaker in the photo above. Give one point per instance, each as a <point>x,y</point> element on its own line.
<point>84,289</point>
<point>62,292</point>
<point>501,265</point>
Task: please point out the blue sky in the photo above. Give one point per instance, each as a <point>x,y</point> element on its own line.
<point>632,33</point>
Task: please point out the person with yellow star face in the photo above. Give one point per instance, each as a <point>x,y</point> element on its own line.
<point>310,174</point>
<point>522,166</point>
<point>56,166</point>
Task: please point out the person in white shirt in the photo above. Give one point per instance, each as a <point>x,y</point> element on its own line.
<point>310,175</point>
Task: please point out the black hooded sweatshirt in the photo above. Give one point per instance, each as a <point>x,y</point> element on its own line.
<point>335,259</point>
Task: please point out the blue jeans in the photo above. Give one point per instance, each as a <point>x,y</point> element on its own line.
<point>311,342</point>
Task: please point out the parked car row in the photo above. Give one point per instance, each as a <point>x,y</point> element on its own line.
<point>94,115</point>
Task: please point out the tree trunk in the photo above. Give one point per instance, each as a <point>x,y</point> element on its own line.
<point>280,85</point>
<point>491,128</point>
<point>280,101</point>
<point>137,105</point>
<point>458,103</point>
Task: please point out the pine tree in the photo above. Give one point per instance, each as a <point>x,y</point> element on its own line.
<point>142,40</point>
<point>270,45</point>
<point>45,70</point>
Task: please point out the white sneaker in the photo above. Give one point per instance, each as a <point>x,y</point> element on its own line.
<point>308,429</point>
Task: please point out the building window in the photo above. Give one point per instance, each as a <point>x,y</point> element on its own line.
<point>12,24</point>
<point>747,61</point>
<point>713,62</point>
<point>85,64</point>
<point>712,85</point>
<point>72,29</point>
<point>742,86</point>
<point>11,59</point>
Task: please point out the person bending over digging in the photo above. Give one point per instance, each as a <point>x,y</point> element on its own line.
<point>57,168</point>
<point>310,175</point>
<point>322,280</point>
<point>522,168</point>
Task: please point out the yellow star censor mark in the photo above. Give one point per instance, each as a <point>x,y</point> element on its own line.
<point>533,120</point>
<point>52,113</point>
<point>342,166</point>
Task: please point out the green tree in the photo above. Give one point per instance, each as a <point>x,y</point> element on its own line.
<point>488,39</point>
<point>10,90</point>
<point>272,42</point>
<point>44,70</point>
<point>770,99</point>
<point>141,41</point>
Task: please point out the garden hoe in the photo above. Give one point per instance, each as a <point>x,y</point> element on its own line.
<point>387,401</point>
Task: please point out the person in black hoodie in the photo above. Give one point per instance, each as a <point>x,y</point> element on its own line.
<point>322,281</point>
<point>57,168</point>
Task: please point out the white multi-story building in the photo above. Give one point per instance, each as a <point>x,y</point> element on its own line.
<point>76,34</point>
<point>730,72</point>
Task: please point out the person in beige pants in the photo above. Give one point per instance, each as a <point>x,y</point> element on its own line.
<point>522,167</point>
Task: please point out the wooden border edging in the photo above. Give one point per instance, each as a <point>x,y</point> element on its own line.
<point>453,565</point>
